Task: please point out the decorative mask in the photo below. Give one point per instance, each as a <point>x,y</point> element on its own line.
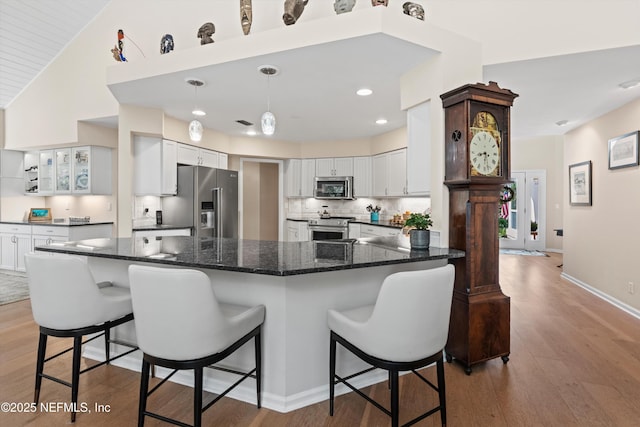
<point>166,44</point>
<point>245,16</point>
<point>413,9</point>
<point>379,2</point>
<point>292,10</point>
<point>205,32</point>
<point>342,6</point>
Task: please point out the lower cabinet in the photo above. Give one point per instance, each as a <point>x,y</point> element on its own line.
<point>297,231</point>
<point>378,231</point>
<point>162,233</point>
<point>18,239</point>
<point>15,243</point>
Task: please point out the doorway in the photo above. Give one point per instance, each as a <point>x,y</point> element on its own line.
<point>260,196</point>
<point>525,214</point>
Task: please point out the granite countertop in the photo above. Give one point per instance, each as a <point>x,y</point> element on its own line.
<point>65,223</point>
<point>257,256</point>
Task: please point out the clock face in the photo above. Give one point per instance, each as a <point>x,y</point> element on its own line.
<point>484,154</point>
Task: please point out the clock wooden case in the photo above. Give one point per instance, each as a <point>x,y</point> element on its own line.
<point>477,165</point>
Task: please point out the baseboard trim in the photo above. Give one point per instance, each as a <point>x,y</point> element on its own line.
<point>245,392</point>
<point>608,298</point>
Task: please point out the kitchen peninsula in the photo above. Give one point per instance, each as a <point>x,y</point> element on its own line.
<point>296,281</point>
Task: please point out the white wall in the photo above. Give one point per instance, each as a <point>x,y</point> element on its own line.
<point>601,241</point>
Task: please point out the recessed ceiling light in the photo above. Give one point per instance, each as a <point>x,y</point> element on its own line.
<point>629,84</point>
<point>364,92</point>
<point>198,112</point>
<point>252,132</point>
<point>381,121</point>
<point>562,122</point>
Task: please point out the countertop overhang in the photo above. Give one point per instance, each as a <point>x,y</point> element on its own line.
<point>256,256</point>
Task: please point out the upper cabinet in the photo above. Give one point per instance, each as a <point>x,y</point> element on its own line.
<point>194,156</point>
<point>11,164</point>
<point>389,174</point>
<point>155,162</point>
<point>362,176</point>
<point>419,150</point>
<point>299,176</point>
<point>75,170</point>
<point>341,166</point>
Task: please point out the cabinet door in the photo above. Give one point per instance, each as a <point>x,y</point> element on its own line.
<point>7,252</point>
<point>362,176</point>
<point>81,174</point>
<point>22,247</point>
<point>397,173</point>
<point>379,175</point>
<point>187,155</point>
<point>343,166</point>
<point>324,167</point>
<point>45,172</point>
<point>169,167</point>
<point>63,170</point>
<point>223,161</point>
<point>31,162</point>
<point>12,165</point>
<point>208,158</point>
<point>303,231</point>
<point>307,176</point>
<point>419,149</point>
<point>293,177</point>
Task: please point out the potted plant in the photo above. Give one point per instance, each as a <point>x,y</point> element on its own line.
<point>502,227</point>
<point>418,225</point>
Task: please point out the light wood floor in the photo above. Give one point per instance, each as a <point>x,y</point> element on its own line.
<point>575,361</point>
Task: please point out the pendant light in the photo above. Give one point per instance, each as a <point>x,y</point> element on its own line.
<point>268,120</point>
<point>195,127</point>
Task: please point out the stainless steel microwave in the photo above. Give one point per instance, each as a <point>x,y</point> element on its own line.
<point>333,187</point>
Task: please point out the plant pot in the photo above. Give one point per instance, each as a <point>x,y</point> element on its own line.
<point>419,239</point>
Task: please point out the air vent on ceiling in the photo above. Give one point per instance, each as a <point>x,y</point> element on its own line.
<point>244,122</point>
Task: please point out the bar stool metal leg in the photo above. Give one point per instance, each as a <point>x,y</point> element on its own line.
<point>144,390</point>
<point>75,374</point>
<point>42,350</point>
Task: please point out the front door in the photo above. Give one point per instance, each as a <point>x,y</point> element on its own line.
<point>526,213</point>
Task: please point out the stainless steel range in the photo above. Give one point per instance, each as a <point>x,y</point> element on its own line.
<point>335,227</point>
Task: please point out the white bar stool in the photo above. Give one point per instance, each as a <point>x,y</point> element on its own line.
<point>181,325</point>
<point>405,330</point>
<point>67,302</point>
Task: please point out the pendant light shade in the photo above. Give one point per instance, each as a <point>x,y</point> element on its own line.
<point>268,123</point>
<point>195,131</point>
<point>268,120</point>
<point>195,127</point>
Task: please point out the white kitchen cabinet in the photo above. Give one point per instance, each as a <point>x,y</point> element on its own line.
<point>419,150</point>
<point>223,161</point>
<point>367,230</point>
<point>300,174</point>
<point>362,176</point>
<point>354,230</point>
<point>46,173</point>
<point>389,174</point>
<point>12,164</point>
<point>63,170</point>
<point>297,231</point>
<point>194,156</point>
<point>162,233</point>
<point>46,234</point>
<point>15,242</point>
<point>91,170</point>
<point>155,164</point>
<point>339,166</point>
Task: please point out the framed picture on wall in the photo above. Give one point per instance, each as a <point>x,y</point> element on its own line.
<point>623,151</point>
<point>580,184</point>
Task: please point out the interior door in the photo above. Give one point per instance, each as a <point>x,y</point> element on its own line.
<point>526,213</point>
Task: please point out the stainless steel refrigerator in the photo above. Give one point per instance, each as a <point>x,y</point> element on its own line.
<point>207,200</point>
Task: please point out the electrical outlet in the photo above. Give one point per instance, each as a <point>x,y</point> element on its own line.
<point>631,288</point>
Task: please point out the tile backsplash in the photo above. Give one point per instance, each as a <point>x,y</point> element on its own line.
<point>149,203</point>
<point>357,208</point>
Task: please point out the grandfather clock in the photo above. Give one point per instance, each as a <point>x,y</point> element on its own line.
<point>477,166</point>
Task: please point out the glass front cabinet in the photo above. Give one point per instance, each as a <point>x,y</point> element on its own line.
<point>63,170</point>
